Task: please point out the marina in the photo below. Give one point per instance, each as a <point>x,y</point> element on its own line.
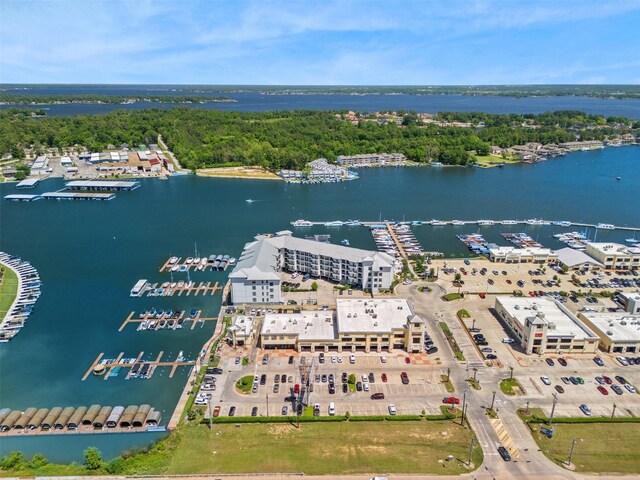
<point>521,240</point>
<point>17,197</point>
<point>63,195</point>
<point>169,289</point>
<point>27,293</point>
<point>153,319</point>
<point>137,367</point>
<point>101,185</point>
<point>212,263</point>
<point>482,222</point>
<point>93,419</point>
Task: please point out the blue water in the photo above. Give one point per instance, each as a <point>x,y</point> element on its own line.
<point>256,102</point>
<point>89,255</point>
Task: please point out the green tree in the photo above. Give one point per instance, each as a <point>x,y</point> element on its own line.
<point>38,461</point>
<point>314,286</point>
<point>93,459</point>
<point>352,379</point>
<point>13,461</point>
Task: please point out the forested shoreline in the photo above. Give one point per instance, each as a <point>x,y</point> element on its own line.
<point>289,139</point>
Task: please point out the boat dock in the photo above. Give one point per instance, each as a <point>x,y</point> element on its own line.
<point>483,222</point>
<point>178,288</point>
<point>138,368</point>
<point>63,195</point>
<point>20,197</point>
<point>101,185</point>
<point>150,321</point>
<point>28,183</point>
<point>212,262</point>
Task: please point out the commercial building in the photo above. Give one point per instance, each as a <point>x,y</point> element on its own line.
<point>630,302</point>
<point>521,255</point>
<point>357,325</point>
<point>242,331</point>
<point>619,332</point>
<point>256,277</point>
<point>577,260</point>
<point>543,325</point>
<point>614,255</point>
<point>40,165</point>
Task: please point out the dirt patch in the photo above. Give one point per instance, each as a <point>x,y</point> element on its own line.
<point>238,172</point>
<point>280,429</point>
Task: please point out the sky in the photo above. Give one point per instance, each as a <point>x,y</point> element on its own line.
<point>328,42</point>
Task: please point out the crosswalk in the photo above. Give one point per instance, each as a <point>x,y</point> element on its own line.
<point>505,438</point>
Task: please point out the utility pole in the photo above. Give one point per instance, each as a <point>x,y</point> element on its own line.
<point>573,444</point>
<point>527,410</point>
<point>267,403</point>
<point>553,408</point>
<point>511,374</point>
<point>493,400</point>
<point>473,439</point>
<point>474,324</point>
<point>210,416</point>
<point>475,373</point>
<point>614,410</point>
<point>448,373</point>
<point>464,404</point>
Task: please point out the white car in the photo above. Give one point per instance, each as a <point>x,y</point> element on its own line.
<point>339,359</point>
<point>392,409</point>
<point>623,361</point>
<point>334,358</point>
<point>383,359</point>
<point>545,380</point>
<point>365,386</point>
<point>294,274</point>
<point>352,358</point>
<point>630,387</point>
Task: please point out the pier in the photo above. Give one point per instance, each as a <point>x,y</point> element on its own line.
<point>213,263</point>
<point>62,195</point>
<point>188,288</point>
<point>101,185</point>
<point>148,319</point>
<point>138,368</point>
<point>484,222</point>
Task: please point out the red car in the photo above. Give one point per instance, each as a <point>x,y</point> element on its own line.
<point>482,295</point>
<point>451,400</point>
<point>407,360</point>
<point>216,411</point>
<point>607,380</point>
<point>384,377</point>
<point>296,388</point>
<point>603,390</point>
<point>532,294</point>
<point>405,378</point>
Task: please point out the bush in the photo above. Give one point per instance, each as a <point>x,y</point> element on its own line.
<point>463,313</point>
<point>13,461</point>
<point>352,379</point>
<point>314,286</point>
<point>93,459</point>
<point>115,466</point>
<point>38,461</point>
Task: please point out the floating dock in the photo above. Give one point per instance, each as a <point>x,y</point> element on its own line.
<point>28,183</point>
<point>178,288</point>
<point>62,195</point>
<point>138,368</point>
<point>151,322</point>
<point>101,185</point>
<point>18,197</point>
<point>212,262</point>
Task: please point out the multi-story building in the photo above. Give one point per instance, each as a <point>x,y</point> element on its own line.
<point>256,277</point>
<point>615,256</point>
<point>357,325</point>
<point>630,301</point>
<point>543,325</point>
<point>379,159</point>
<point>521,255</point>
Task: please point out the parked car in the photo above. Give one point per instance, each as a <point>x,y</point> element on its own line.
<point>550,362</point>
<point>359,386</point>
<point>392,409</point>
<point>276,388</point>
<point>254,411</point>
<point>284,410</point>
<point>451,400</point>
<point>232,411</point>
<point>616,389</point>
<point>545,380</point>
<point>562,362</point>
<point>384,377</point>
<point>586,410</point>
<point>377,396</point>
<point>621,379</point>
<point>598,361</point>
<point>216,411</point>
<point>559,388</point>
<point>491,356</point>
<point>565,380</point>
<point>603,390</point>
<point>405,378</point>
<point>607,380</point>
<point>630,387</point>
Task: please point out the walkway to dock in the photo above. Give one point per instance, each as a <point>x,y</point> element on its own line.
<point>133,318</point>
<point>129,363</point>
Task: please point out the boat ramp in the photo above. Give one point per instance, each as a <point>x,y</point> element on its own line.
<point>137,367</point>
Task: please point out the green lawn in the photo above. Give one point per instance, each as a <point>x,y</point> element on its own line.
<point>507,386</point>
<point>245,383</point>
<point>8,290</point>
<point>605,447</point>
<point>492,160</point>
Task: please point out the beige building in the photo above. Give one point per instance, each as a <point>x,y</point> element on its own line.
<point>357,325</point>
<point>521,255</point>
<point>242,331</point>
<point>615,255</point>
<point>543,325</point>
<point>619,332</point>
<point>630,301</point>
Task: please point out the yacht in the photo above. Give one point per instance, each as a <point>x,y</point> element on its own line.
<point>509,222</point>
<point>631,240</point>
<point>345,242</point>
<point>437,223</point>
<point>196,260</point>
<point>335,223</point>
<point>606,226</point>
<point>302,223</point>
<point>173,260</point>
<point>486,222</point>
<point>175,268</point>
<point>534,221</point>
<point>352,223</point>
<point>138,288</point>
<point>189,260</point>
<point>562,223</point>
<point>416,223</point>
<point>457,222</point>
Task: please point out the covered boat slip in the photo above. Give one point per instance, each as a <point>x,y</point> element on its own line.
<point>103,185</point>
<point>93,419</point>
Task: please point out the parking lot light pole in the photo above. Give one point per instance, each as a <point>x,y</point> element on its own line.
<point>464,404</point>
<point>511,374</point>
<point>493,400</point>
<point>613,412</point>
<point>448,373</point>
<point>573,444</point>
<point>267,404</point>
<point>553,408</point>
<point>471,450</point>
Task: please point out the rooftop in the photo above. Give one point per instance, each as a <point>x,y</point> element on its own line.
<point>521,250</point>
<point>308,325</point>
<point>613,248</point>
<point>631,295</point>
<point>571,257</point>
<point>381,315</point>
<point>561,322</point>
<point>617,326</point>
<point>242,325</point>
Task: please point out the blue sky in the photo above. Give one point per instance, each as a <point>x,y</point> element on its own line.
<point>320,42</point>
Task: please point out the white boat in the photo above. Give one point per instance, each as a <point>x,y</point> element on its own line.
<point>302,223</point>
<point>345,242</point>
<point>631,240</point>
<point>352,223</point>
<point>175,268</point>
<point>605,226</point>
<point>437,223</point>
<point>138,288</point>
<point>416,222</point>
<point>196,260</point>
<point>173,260</point>
<point>562,223</point>
<point>334,223</point>
<point>509,222</point>
<point>486,222</point>
<point>189,261</point>
<point>249,200</point>
<point>534,221</point>
<point>457,222</point>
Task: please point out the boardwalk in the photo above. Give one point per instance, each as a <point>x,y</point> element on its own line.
<point>122,363</point>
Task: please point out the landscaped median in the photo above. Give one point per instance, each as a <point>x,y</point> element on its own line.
<point>603,444</point>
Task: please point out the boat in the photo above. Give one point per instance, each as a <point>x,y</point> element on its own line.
<point>173,260</point>
<point>509,222</point>
<point>457,222</point>
<point>562,223</point>
<point>605,226</point>
<point>302,223</point>
<point>189,261</point>
<point>196,260</point>
<point>437,223</point>
<point>618,178</point>
<point>165,284</point>
<point>416,223</point>
<point>352,223</point>
<point>631,240</point>
<point>231,261</point>
<point>138,288</point>
<point>345,242</point>
<point>534,221</point>
<point>249,200</point>
<point>175,268</point>
<point>486,222</point>
<point>334,223</point>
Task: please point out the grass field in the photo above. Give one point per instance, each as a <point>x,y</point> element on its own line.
<point>329,448</point>
<point>605,447</point>
<point>488,161</point>
<point>8,290</point>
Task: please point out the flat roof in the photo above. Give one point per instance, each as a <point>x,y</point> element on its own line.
<point>617,326</point>
<point>19,196</point>
<point>308,325</point>
<point>379,315</point>
<point>521,250</point>
<point>571,257</point>
<point>610,248</point>
<point>561,322</point>
<point>27,182</point>
<point>100,184</point>
<point>242,325</point>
